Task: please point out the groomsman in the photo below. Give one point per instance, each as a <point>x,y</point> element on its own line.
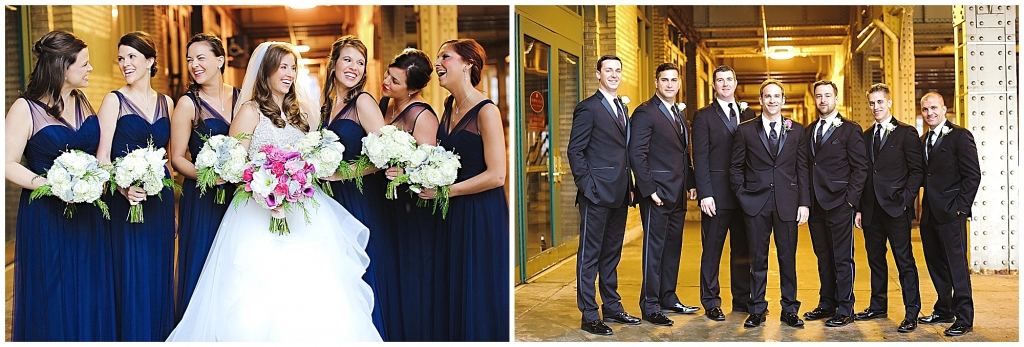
<point>894,176</point>
<point>659,151</point>
<point>600,167</point>
<point>952,176</point>
<point>713,128</point>
<point>838,169</point>
<point>769,175</point>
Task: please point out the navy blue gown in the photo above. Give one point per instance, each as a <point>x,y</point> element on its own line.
<point>420,252</point>
<point>478,239</point>
<point>198,216</point>
<point>368,207</point>
<point>63,285</point>
<point>143,252</point>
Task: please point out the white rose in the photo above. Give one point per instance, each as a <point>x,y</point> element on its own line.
<point>57,174</point>
<point>206,159</point>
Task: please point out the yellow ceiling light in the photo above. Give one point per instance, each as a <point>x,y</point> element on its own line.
<point>781,52</point>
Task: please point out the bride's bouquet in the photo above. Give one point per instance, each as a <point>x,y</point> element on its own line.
<point>436,169</point>
<point>74,177</point>
<point>279,180</point>
<point>142,167</point>
<point>221,157</point>
<point>392,147</point>
<point>323,149</point>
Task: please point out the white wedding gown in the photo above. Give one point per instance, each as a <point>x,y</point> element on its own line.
<point>303,286</point>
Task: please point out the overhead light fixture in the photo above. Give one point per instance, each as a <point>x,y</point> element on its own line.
<point>302,6</point>
<point>305,61</point>
<point>113,11</point>
<point>781,52</point>
<point>302,48</point>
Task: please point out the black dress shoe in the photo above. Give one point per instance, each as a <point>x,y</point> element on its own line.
<point>754,320</point>
<point>958,329</point>
<point>907,326</point>
<point>680,308</point>
<point>838,321</point>
<point>791,319</point>
<point>936,319</point>
<point>819,313</point>
<point>870,313</point>
<point>715,313</point>
<point>658,318</point>
<point>622,317</point>
<point>596,327</point>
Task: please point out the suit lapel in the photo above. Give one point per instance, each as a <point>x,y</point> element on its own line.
<point>886,137</point>
<point>670,118</point>
<point>722,114</point>
<point>764,138</point>
<point>828,133</point>
<point>783,136</point>
<point>609,105</point>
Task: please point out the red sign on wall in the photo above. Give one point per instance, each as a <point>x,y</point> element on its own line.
<point>537,101</point>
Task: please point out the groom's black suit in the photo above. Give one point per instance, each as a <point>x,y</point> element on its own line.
<point>600,168</point>
<point>659,150</point>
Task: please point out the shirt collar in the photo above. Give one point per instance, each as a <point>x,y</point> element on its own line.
<point>610,97</point>
<point>725,105</point>
<point>828,117</point>
<point>887,120</point>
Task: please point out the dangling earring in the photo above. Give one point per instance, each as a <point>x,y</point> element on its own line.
<point>465,73</point>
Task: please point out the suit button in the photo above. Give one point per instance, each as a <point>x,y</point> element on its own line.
<point>876,171</point>
<point>771,184</point>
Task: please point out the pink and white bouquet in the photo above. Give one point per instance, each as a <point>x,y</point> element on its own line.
<point>279,180</point>
<point>391,147</point>
<point>221,157</point>
<point>75,177</point>
<point>142,167</point>
<point>435,168</point>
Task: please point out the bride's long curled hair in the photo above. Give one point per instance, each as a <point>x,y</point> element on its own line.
<point>264,97</point>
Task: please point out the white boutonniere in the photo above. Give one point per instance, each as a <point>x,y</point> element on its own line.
<point>836,122</point>
<point>680,106</point>
<point>787,125</point>
<point>945,130</point>
<point>624,99</point>
<point>888,128</point>
<point>743,106</point>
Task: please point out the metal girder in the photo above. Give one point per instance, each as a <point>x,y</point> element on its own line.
<point>986,58</point>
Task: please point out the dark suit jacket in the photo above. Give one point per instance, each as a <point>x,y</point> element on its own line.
<point>894,173</point>
<point>597,152</point>
<point>952,174</point>
<point>660,152</point>
<point>755,172</point>
<point>838,166</point>
<point>712,150</point>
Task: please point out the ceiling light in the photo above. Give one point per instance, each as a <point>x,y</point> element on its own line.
<point>302,6</point>
<point>781,52</point>
<point>305,61</point>
<point>302,48</point>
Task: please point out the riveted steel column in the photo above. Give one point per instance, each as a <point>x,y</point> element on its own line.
<point>987,96</point>
<point>437,24</point>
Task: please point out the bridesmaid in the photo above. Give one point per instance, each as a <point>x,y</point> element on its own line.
<point>143,253</point>
<point>357,115</point>
<point>63,286</point>
<point>477,225</point>
<point>205,109</point>
<point>420,249</point>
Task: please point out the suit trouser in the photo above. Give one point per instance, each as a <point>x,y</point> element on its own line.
<point>601,233</point>
<point>945,253</point>
<point>832,238</point>
<point>759,231</point>
<point>663,243</point>
<point>713,230</point>
<point>896,230</point>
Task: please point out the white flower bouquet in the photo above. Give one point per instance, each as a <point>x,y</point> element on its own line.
<point>221,157</point>
<point>142,167</point>
<point>75,177</point>
<point>323,149</point>
<point>392,147</point>
<point>436,169</point>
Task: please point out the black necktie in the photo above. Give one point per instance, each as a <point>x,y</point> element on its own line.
<point>877,140</point>
<point>821,132</point>
<point>618,112</point>
<point>928,148</point>
<point>773,139</point>
<point>732,115</point>
<point>675,118</point>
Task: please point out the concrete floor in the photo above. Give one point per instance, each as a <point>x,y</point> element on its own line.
<point>545,308</point>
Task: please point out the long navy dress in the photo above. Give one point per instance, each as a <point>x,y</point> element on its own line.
<point>63,285</point>
<point>198,217</point>
<point>420,251</point>
<point>478,240</point>
<point>143,252</point>
<point>368,207</point>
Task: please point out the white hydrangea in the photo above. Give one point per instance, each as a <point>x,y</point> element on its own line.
<point>390,147</point>
<point>323,150</point>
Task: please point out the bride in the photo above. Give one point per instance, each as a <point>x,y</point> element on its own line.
<point>257,285</point>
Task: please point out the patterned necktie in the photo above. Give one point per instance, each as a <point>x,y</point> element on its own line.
<point>877,140</point>
<point>618,112</point>
<point>675,118</point>
<point>773,139</point>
